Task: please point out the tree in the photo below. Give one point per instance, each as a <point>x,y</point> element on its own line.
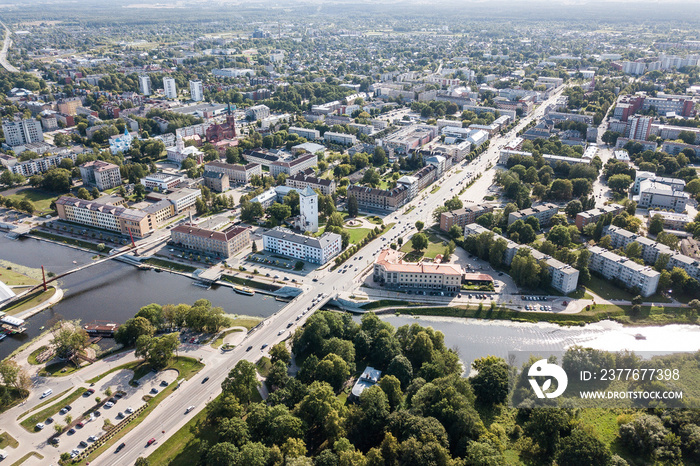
<point>251,211</point>
<point>26,206</point>
<point>353,208</point>
<point>14,376</point>
<point>559,235</point>
<point>158,351</point>
<point>379,158</point>
<point>573,208</point>
<point>391,386</point>
<point>279,211</point>
<point>401,368</point>
<point>620,182</point>
<point>525,269</point>
<point>455,232</point>
<point>419,242</point>
<point>371,177</point>
<point>687,137</point>
<point>141,461</point>
<point>68,339</point>
<point>334,370</point>
<point>454,203</point>
<point>419,225</point>
<point>242,381</point>
<point>581,447</point>
<point>127,333</point>
<point>10,179</point>
<point>279,352</point>
<point>633,250</point>
<point>656,225</point>
<point>56,180</point>
<point>491,382</point>
<point>222,454</point>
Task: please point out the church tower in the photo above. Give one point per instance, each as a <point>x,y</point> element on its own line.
<point>308,208</point>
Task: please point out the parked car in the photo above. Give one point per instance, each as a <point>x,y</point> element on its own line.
<point>249,348</point>
<point>71,431</point>
<point>49,420</point>
<point>154,390</point>
<point>74,453</point>
<point>129,410</point>
<point>92,438</point>
<point>39,426</point>
<point>164,383</point>
<point>83,444</point>
<point>80,425</point>
<point>55,441</point>
<point>109,404</point>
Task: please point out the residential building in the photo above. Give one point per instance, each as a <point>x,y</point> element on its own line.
<point>184,198</point>
<point>162,181</point>
<point>37,166</point>
<point>309,134</point>
<point>672,220</point>
<point>69,106</point>
<point>103,175</point>
<point>379,199</point>
<point>308,210</point>
<point>675,148</point>
<point>257,112</point>
<point>298,246</point>
<point>677,184</point>
<point>295,166</point>
<point>464,216</point>
<point>622,238</point>
<point>306,178</point>
<point>634,276</point>
<point>339,138</point>
<point>390,270</point>
<point>593,215</point>
<point>224,243</point>
<point>657,195</point>
<point>196,91</point>
<point>542,212</point>
<point>21,132</point>
<point>564,278</point>
<point>216,181</point>
<point>640,127</point>
<point>144,85</point>
<point>169,88</point>
<point>236,173</point>
<point>107,217</point>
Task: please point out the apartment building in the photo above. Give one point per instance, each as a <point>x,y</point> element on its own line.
<point>379,199</point>
<point>640,127</point>
<point>144,85</point>
<point>632,275</point>
<point>307,248</point>
<point>309,134</point>
<point>236,173</point>
<point>224,243</point>
<point>672,220</point>
<point>162,181</point>
<point>257,112</point>
<point>196,91</point>
<point>38,166</point>
<point>101,174</point>
<point>259,157</point>
<point>418,181</point>
<point>677,184</point>
<point>464,216</point>
<point>69,106</point>
<point>295,166</point>
<point>675,148</point>
<point>159,213</point>
<point>657,195</point>
<point>542,212</point>
<point>564,278</point>
<point>183,198</point>
<point>306,178</point>
<point>170,88</point>
<point>339,138</point>
<point>593,215</point>
<point>218,182</point>
<point>22,132</point>
<point>108,217</point>
<point>390,270</point>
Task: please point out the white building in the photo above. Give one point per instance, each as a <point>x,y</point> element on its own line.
<point>22,132</point>
<point>308,208</point>
<point>196,91</point>
<point>315,250</point>
<point>676,184</point>
<point>145,85</point>
<point>308,134</point>
<point>179,153</point>
<point>121,143</point>
<point>162,181</point>
<point>257,112</point>
<point>339,138</point>
<point>391,270</point>
<point>101,174</point>
<point>656,195</point>
<point>631,274</point>
<point>170,88</point>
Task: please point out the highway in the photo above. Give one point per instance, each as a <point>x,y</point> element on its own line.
<point>3,53</point>
<point>170,415</point>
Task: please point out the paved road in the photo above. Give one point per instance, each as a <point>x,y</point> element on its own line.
<point>3,53</point>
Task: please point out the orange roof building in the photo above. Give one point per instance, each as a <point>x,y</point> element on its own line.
<point>390,269</point>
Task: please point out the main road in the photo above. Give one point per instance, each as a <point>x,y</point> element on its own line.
<point>3,53</point>
<point>170,415</point>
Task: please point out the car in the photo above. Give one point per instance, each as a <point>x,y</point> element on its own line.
<point>129,410</point>
<point>263,346</point>
<point>71,431</point>
<point>55,441</point>
<point>154,390</point>
<point>150,442</point>
<point>113,400</point>
<point>90,391</point>
<point>109,404</point>
<point>314,279</point>
<point>97,414</point>
<point>205,379</point>
<point>117,396</point>
<point>48,420</point>
<point>92,438</point>
<point>62,411</point>
<point>289,324</point>
<point>164,383</point>
<point>39,426</point>
<point>189,408</point>
<point>286,278</point>
<point>74,453</point>
<point>249,348</point>
<point>80,425</point>
<point>120,447</point>
<point>46,393</point>
<point>280,332</point>
<point>83,443</point>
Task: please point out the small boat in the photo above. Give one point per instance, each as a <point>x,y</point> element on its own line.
<point>41,328</point>
<point>75,262</point>
<point>200,284</point>
<point>244,290</point>
<point>639,336</point>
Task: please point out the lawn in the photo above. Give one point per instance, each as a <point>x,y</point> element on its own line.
<point>41,199</point>
<point>170,265</point>
<point>435,247</point>
<point>12,278</point>
<point>220,339</point>
<point>37,297</point>
<point>245,321</point>
<point>6,440</point>
<point>607,290</point>
<point>57,369</point>
<point>263,366</point>
<point>71,241</point>
<point>357,234</point>
<point>129,365</point>
<point>41,416</point>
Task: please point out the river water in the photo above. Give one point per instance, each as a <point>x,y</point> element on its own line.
<point>114,290</point>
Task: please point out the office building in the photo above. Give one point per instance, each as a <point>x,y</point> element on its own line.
<point>390,270</point>
<point>103,175</point>
<point>657,195</point>
<point>162,181</point>
<point>196,91</point>
<point>672,220</point>
<point>179,153</point>
<point>170,88</point>
<point>339,138</point>
<point>298,246</point>
<point>22,132</point>
<point>108,217</point>
<point>295,166</point>
<point>464,216</point>
<point>145,85</point>
<point>236,173</point>
<point>677,184</point>
<point>410,138</point>
<point>224,243</point>
<point>306,178</point>
<point>370,199</point>
<point>643,279</point>
<point>216,181</point>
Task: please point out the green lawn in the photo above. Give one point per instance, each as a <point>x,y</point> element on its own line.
<point>13,278</point>
<point>607,290</point>
<point>34,299</point>
<point>41,199</point>
<point>41,416</point>
<point>71,241</point>
<point>220,340</point>
<point>357,234</point>
<point>56,369</point>
<point>435,247</point>
<point>264,365</point>
<point>245,321</point>
<point>6,440</point>
<point>130,366</point>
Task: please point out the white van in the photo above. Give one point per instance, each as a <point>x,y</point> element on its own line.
<point>3,454</point>
<point>46,393</point>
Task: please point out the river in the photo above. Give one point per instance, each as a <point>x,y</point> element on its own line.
<point>473,338</point>
<point>114,290</point>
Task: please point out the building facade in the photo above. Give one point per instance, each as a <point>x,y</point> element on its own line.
<point>463,217</point>
<point>395,273</point>
<point>295,166</point>
<point>236,173</point>
<point>196,91</point>
<point>103,175</point>
<point>543,213</point>
<point>307,248</point>
<point>306,178</point>
<point>593,215</point>
<point>224,244</point>
<point>379,199</point>
<point>170,88</point>
<point>613,267</point>
<point>21,132</point>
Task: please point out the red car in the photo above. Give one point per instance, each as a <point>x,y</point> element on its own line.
<point>151,442</point>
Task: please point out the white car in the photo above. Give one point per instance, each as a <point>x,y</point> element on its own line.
<point>189,408</point>
<point>129,410</point>
<point>74,453</point>
<point>109,404</point>
<point>39,426</point>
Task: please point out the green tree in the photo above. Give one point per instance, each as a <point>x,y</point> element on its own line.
<point>127,333</point>
<point>455,232</point>
<point>334,370</point>
<point>251,211</point>
<point>620,182</point>
<point>491,382</point>
<point>57,180</point>
<point>419,242</point>
<point>581,447</point>
<point>391,386</point>
<point>633,250</point>
<point>353,208</point>
<point>242,381</point>
<point>656,225</point>
<point>141,461</point>
<point>68,339</point>
<point>559,235</point>
<point>419,225</point>
<point>279,352</point>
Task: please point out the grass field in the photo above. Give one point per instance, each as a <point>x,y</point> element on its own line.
<point>245,321</point>
<point>56,369</point>
<point>71,241</point>
<point>607,290</point>
<point>435,247</point>
<point>41,416</point>
<point>41,199</point>
<point>220,339</point>
<point>6,440</point>
<point>357,234</point>
<point>37,297</point>
<point>13,278</point>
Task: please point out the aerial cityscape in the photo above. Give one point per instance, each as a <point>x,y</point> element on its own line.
<point>349,233</point>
